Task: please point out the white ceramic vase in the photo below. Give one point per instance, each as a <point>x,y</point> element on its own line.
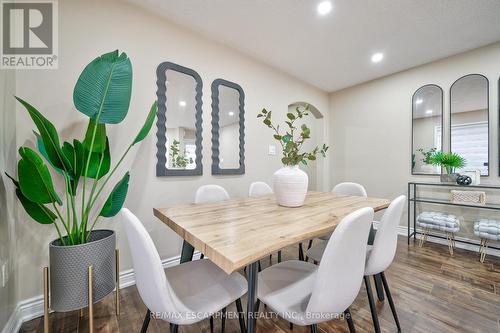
<point>290,186</point>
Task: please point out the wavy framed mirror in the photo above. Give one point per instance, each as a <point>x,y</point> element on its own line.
<point>427,128</point>
<point>179,123</point>
<point>228,128</point>
<point>469,121</point>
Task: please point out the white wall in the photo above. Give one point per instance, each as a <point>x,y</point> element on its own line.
<point>8,206</point>
<point>370,123</point>
<point>90,28</point>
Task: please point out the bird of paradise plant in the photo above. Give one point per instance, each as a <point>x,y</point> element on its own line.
<point>102,93</point>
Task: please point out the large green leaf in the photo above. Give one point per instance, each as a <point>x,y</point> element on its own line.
<point>49,136</point>
<point>69,152</point>
<point>35,181</point>
<point>147,125</point>
<point>81,156</point>
<point>38,212</point>
<point>99,138</point>
<point>103,89</point>
<point>116,198</point>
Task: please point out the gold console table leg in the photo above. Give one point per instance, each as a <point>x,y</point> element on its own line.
<point>91,300</point>
<point>45,300</point>
<point>117,282</point>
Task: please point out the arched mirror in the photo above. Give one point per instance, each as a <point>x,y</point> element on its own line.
<point>178,123</point>
<point>228,128</point>
<point>427,128</point>
<point>469,122</point>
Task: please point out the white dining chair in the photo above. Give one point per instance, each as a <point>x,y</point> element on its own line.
<point>306,294</point>
<point>184,294</point>
<point>381,254</point>
<point>210,193</point>
<point>258,189</point>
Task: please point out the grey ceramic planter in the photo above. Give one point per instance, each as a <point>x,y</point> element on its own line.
<point>449,177</point>
<point>69,268</point>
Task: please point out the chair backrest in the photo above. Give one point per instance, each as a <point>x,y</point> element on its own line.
<point>210,193</point>
<point>386,238</point>
<point>150,278</point>
<point>352,189</point>
<point>342,267</point>
<point>258,189</point>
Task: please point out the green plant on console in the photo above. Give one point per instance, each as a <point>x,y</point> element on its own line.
<point>449,161</point>
<point>102,93</point>
<point>290,142</point>
<point>178,160</point>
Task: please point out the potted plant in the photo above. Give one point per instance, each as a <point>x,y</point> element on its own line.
<point>102,93</point>
<point>289,182</point>
<point>178,160</point>
<point>449,162</point>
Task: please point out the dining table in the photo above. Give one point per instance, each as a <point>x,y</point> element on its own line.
<point>237,233</point>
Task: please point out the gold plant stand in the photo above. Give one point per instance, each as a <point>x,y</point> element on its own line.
<point>90,276</point>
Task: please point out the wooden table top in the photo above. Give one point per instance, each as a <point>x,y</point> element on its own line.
<point>238,232</point>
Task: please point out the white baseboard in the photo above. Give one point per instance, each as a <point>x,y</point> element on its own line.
<point>29,309</point>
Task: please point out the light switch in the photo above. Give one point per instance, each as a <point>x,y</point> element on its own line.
<point>272,150</point>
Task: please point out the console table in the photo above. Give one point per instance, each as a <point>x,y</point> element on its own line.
<point>413,199</point>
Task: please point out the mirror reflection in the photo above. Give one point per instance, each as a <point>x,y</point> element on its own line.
<point>427,121</point>
<point>469,121</point>
<point>229,128</point>
<point>181,120</point>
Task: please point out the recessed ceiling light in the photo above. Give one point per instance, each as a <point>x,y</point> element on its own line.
<point>231,113</point>
<point>428,111</point>
<point>419,101</point>
<point>377,57</point>
<point>324,7</point>
<point>182,103</point>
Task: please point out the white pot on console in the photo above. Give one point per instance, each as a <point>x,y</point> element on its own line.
<point>290,186</point>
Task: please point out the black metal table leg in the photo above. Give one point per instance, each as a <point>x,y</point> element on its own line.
<point>187,252</point>
<point>252,292</point>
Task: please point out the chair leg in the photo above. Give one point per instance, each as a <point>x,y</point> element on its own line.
<point>202,256</point>
<point>391,302</point>
<point>223,325</point>
<point>257,305</point>
<point>301,252</point>
<point>371,301</point>
<point>270,259</point>
<point>291,326</point>
<point>211,324</point>
<point>241,317</point>
<point>173,328</point>
<point>379,288</point>
<point>279,256</point>
<point>308,247</point>
<point>260,267</point>
<point>350,323</point>
<point>314,328</point>
<point>145,323</point>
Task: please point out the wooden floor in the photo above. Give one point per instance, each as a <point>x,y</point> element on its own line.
<point>433,292</point>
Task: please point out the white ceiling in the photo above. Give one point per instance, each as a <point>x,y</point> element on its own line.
<point>333,51</point>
